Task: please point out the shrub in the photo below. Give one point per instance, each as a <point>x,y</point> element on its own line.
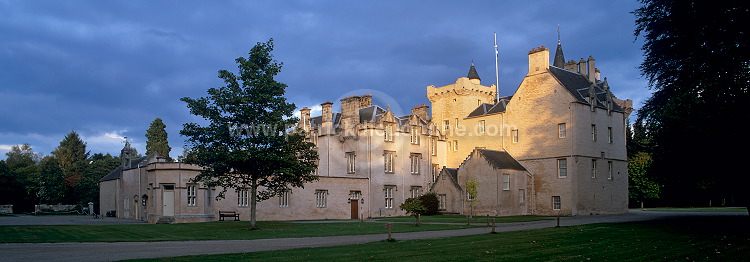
<point>430,201</point>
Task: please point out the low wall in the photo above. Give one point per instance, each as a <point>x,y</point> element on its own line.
<point>6,209</point>
<point>54,208</point>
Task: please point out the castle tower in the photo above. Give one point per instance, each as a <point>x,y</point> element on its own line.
<point>452,103</point>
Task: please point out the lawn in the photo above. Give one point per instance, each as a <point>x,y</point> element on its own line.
<point>196,231</point>
<point>680,239</point>
<point>475,220</point>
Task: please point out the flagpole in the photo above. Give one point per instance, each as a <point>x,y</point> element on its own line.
<point>497,78</point>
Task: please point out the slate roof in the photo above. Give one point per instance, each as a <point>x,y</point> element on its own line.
<point>473,73</point>
<point>578,86</point>
<point>501,159</point>
<point>370,114</point>
<point>115,174</point>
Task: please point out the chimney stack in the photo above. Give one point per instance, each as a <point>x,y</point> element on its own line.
<point>591,70</point>
<point>327,116</point>
<point>421,111</point>
<point>304,118</point>
<point>538,60</point>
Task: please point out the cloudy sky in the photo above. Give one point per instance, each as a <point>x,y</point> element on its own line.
<point>106,69</point>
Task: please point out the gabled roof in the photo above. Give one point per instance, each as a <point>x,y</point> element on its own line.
<point>579,86</point>
<point>452,174</point>
<point>501,159</point>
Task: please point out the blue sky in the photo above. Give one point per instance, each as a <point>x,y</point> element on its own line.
<point>106,69</point>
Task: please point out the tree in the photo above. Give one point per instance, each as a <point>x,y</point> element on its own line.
<point>51,186</point>
<point>72,156</point>
<point>231,152</point>
<point>157,139</point>
<point>414,207</point>
<point>17,179</point>
<point>696,61</point>
<point>471,194</point>
<point>99,166</point>
<point>641,185</point>
<point>431,202</point>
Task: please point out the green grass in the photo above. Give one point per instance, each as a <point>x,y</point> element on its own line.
<point>699,209</point>
<point>682,239</point>
<point>196,231</point>
<point>477,220</point>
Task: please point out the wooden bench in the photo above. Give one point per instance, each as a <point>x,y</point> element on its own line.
<point>223,214</point>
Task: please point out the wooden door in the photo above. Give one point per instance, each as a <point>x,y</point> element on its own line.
<point>355,209</point>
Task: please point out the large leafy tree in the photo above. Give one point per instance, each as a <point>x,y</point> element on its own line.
<point>697,64</point>
<point>72,156</point>
<point>98,166</point>
<point>232,153</point>
<point>157,140</point>
<point>17,177</point>
<point>51,187</point>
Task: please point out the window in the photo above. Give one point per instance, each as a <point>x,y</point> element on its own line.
<point>435,172</point>
<point>434,146</point>
<point>609,170</point>
<point>456,119</point>
<point>593,133</point>
<point>455,145</point>
<point>242,197</point>
<point>481,126</point>
<point>389,133</point>
<point>355,194</point>
<point>414,158</point>
<point>556,203</point>
<point>191,195</point>
<point>441,201</point>
<point>521,195</point>
<point>415,190</point>
<point>562,168</point>
<point>320,198</point>
<point>506,182</point>
<point>446,125</point>
<point>414,135</point>
<point>593,168</point>
<point>609,134</point>
<point>388,190</point>
<point>351,161</point>
<point>514,135</point>
<point>561,130</point>
<point>388,161</point>
<point>284,198</point>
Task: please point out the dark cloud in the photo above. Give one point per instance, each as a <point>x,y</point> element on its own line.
<point>107,69</point>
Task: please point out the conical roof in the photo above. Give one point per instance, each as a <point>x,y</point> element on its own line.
<point>559,57</point>
<point>473,73</point>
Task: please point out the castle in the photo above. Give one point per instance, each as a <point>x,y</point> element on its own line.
<point>555,147</point>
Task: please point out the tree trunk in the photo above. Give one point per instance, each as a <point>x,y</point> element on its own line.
<point>253,203</point>
<point>418,223</point>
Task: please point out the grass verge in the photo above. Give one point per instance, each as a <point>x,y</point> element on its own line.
<point>196,231</point>
<point>477,220</point>
<point>698,209</point>
<point>686,239</point>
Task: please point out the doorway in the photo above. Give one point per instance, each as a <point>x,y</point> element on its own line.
<point>168,200</point>
<point>355,209</point>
